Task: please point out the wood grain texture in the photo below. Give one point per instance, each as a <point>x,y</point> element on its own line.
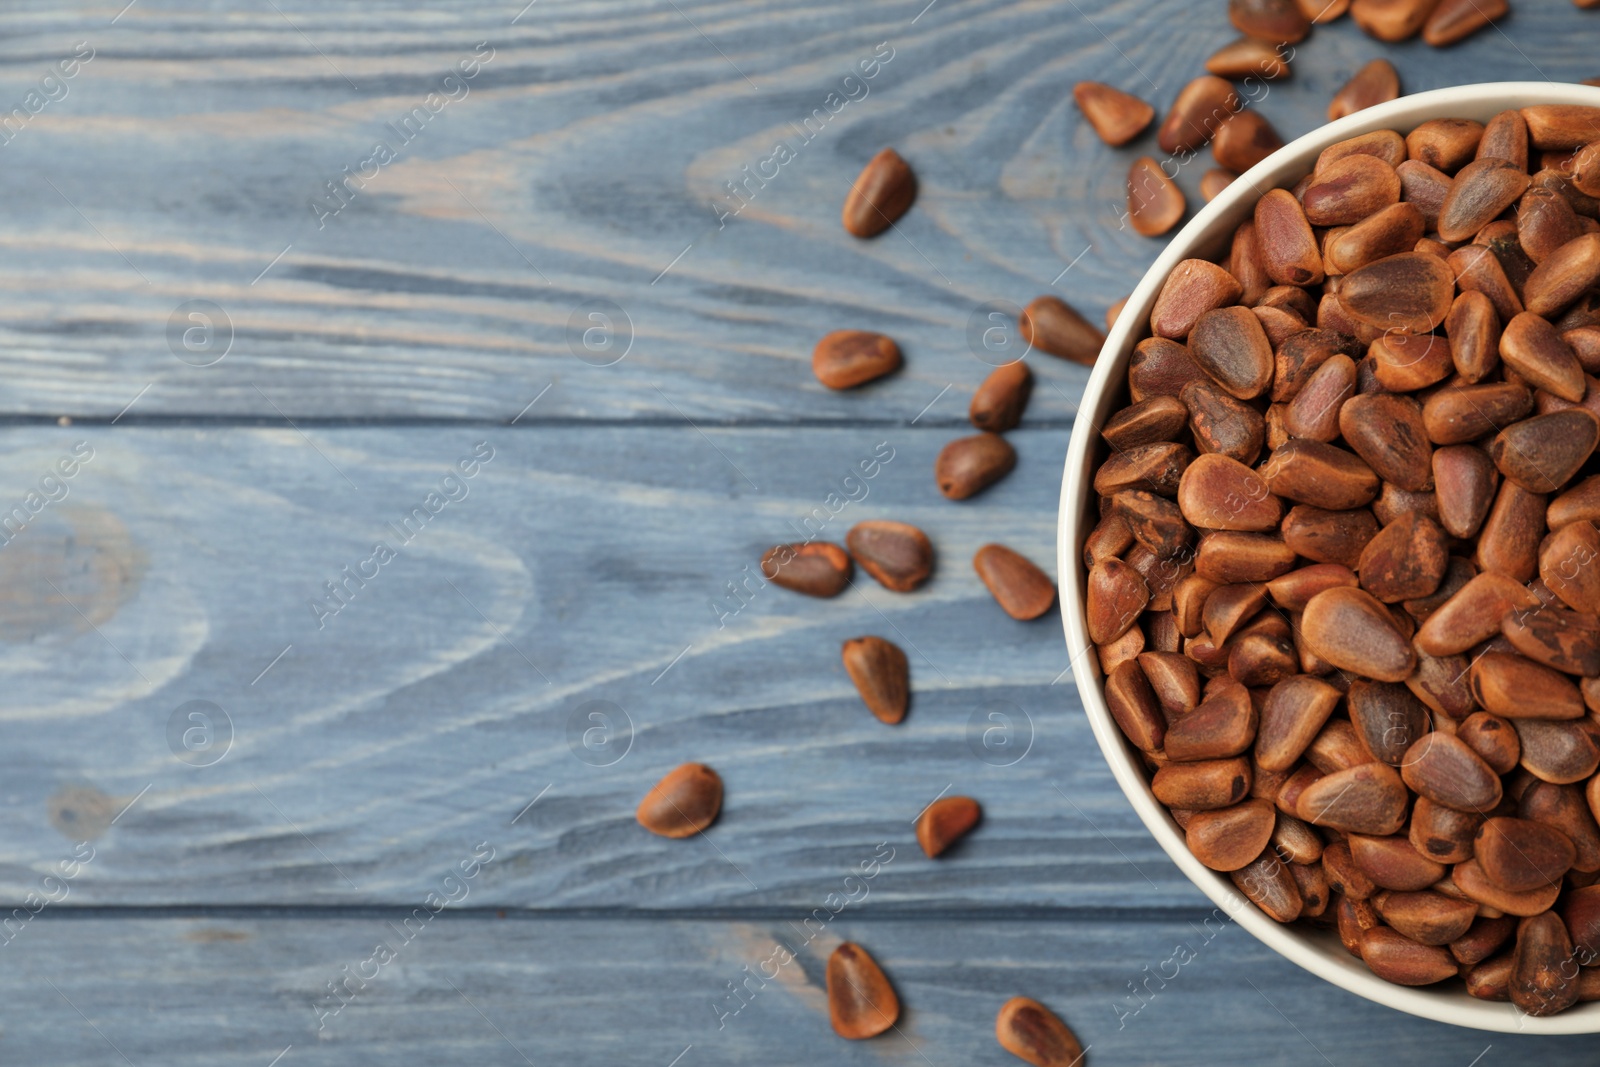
<point>232,990</point>
<point>580,162</point>
<point>445,705</point>
<point>452,689</point>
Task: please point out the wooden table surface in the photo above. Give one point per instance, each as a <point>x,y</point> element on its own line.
<point>224,788</point>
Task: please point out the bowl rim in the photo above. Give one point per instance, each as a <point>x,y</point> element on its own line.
<point>1210,226</point>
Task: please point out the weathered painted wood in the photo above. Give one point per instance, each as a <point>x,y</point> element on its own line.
<point>445,705</point>
<point>240,990</point>
<point>588,156</point>
<point>454,687</point>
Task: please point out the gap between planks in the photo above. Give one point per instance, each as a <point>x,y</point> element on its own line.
<point>657,422</point>
<point>291,912</point>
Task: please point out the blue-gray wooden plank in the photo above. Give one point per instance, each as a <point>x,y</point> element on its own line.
<point>454,686</point>
<point>584,159</point>
<point>240,990</point>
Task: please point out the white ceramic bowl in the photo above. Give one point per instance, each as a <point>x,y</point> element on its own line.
<point>1207,236</point>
